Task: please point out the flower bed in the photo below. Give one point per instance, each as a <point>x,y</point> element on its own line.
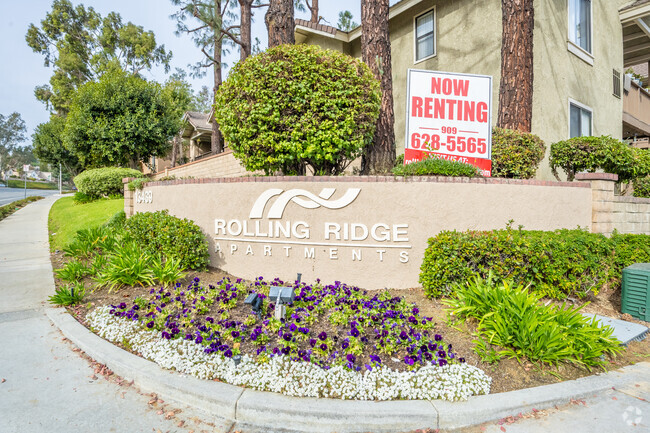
<point>336,341</point>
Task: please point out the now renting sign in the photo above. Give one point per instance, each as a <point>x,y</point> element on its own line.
<point>449,115</point>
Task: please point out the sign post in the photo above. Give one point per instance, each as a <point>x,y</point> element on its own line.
<point>448,115</point>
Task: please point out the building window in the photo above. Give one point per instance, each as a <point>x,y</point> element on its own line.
<point>580,23</point>
<point>617,83</point>
<point>424,36</point>
<point>580,119</point>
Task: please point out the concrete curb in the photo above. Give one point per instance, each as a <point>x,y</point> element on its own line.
<point>256,411</point>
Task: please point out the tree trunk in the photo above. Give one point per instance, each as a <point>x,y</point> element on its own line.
<point>174,150</point>
<point>280,23</point>
<point>313,8</point>
<point>216,145</point>
<point>246,14</point>
<point>375,51</point>
<point>516,88</point>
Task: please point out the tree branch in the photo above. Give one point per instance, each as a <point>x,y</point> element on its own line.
<point>196,29</point>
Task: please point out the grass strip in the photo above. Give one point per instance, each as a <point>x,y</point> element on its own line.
<point>17,183</point>
<point>66,218</point>
<point>12,207</point>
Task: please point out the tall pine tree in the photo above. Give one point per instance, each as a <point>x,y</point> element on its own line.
<point>375,52</point>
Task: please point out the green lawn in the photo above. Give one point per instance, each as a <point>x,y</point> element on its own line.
<point>66,218</point>
<point>15,183</point>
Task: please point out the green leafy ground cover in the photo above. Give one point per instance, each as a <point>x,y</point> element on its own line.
<point>66,218</point>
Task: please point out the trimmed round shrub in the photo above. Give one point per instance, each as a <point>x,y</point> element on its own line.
<point>642,187</point>
<point>599,153</point>
<point>515,154</point>
<point>103,182</point>
<point>294,106</point>
<point>169,236</point>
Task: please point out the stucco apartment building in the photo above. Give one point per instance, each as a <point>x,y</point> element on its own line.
<point>578,56</point>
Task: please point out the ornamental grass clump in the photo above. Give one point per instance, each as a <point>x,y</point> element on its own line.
<point>73,271</point>
<point>511,318</point>
<point>336,340</point>
<point>69,294</point>
<point>127,265</point>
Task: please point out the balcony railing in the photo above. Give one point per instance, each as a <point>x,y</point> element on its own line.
<point>636,110</point>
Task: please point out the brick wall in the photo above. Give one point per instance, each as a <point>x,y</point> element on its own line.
<point>221,165</point>
<point>613,212</point>
<point>128,197</point>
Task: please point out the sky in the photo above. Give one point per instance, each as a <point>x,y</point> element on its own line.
<point>22,69</point>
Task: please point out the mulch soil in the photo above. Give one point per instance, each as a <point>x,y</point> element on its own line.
<point>507,374</point>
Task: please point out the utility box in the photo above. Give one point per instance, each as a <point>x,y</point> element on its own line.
<point>635,298</point>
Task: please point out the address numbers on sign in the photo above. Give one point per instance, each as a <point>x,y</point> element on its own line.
<point>144,196</point>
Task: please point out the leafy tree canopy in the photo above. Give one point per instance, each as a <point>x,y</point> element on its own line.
<point>120,120</point>
<point>48,146</point>
<point>211,25</point>
<point>80,45</point>
<point>346,21</point>
<point>183,95</point>
<point>12,133</point>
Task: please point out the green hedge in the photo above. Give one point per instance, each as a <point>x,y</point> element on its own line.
<point>161,233</point>
<point>599,153</point>
<point>515,154</point>
<point>434,166</point>
<point>103,182</point>
<point>556,264</point>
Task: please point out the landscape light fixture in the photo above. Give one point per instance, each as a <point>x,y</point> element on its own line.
<point>255,302</point>
<point>282,295</point>
<point>237,359</point>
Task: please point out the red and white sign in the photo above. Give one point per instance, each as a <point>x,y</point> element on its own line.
<point>449,115</point>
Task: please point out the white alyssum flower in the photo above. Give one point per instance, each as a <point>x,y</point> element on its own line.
<point>298,379</point>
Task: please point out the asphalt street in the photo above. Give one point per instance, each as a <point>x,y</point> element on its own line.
<point>8,195</point>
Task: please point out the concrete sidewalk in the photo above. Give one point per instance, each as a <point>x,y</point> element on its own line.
<point>49,388</point>
<point>44,385</point>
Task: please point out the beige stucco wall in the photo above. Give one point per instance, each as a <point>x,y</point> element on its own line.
<point>413,210</point>
<point>221,165</point>
<point>326,42</point>
<point>560,74</point>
